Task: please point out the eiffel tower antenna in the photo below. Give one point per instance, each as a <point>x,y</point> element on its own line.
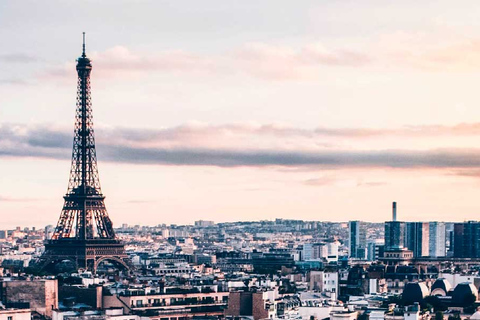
<point>83,51</point>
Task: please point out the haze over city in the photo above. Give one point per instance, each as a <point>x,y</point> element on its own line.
<point>241,110</point>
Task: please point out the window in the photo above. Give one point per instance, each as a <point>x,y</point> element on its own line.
<point>10,318</point>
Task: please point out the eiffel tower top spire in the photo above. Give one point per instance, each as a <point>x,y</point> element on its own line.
<point>83,51</point>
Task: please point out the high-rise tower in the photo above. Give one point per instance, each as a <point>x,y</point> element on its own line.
<point>357,236</point>
<point>84,233</point>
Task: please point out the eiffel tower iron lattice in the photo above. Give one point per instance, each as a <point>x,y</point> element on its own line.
<point>84,233</point>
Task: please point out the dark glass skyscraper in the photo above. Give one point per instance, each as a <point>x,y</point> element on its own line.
<point>466,240</point>
<point>358,239</point>
<point>394,232</point>
<point>417,238</point>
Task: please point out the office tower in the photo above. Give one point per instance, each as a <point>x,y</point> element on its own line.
<point>307,251</point>
<point>417,238</point>
<point>357,239</point>
<point>466,240</point>
<point>449,233</point>
<point>394,232</point>
<point>374,249</point>
<point>437,239</point>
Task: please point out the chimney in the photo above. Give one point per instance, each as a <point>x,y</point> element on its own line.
<point>394,213</point>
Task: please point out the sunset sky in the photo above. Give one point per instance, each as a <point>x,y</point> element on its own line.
<point>245,110</point>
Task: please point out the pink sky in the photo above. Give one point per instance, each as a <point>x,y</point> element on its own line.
<point>246,111</point>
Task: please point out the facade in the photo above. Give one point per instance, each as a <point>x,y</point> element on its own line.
<point>394,235</point>
<point>344,315</point>
<point>325,282</point>
<point>15,314</point>
<point>466,240</point>
<point>204,223</point>
<point>257,305</point>
<point>109,314</point>
<point>308,252</point>
<point>374,250</point>
<point>394,232</point>
<point>357,236</point>
<point>437,239</point>
<point>39,295</point>
<point>170,305</point>
<point>172,269</point>
<point>332,251</point>
<point>417,238</point>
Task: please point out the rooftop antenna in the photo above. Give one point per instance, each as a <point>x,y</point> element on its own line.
<point>83,53</point>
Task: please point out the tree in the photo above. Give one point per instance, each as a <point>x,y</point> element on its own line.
<point>454,316</point>
<point>469,299</point>
<point>439,315</point>
<point>435,302</point>
<point>363,316</point>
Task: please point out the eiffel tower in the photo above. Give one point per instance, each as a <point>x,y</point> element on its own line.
<point>84,233</point>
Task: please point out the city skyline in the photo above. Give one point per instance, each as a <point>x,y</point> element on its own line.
<point>304,116</point>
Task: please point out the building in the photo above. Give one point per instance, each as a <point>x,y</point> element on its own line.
<point>466,240</point>
<point>325,282</point>
<point>184,304</point>
<point>394,232</point>
<point>372,251</point>
<point>307,252</point>
<point>332,251</point>
<point>81,314</point>
<point>449,235</point>
<point>15,314</point>
<point>417,238</point>
<point>39,295</point>
<point>437,239</point>
<point>258,305</point>
<point>204,223</point>
<point>357,236</point>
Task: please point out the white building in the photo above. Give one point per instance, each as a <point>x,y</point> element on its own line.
<point>15,314</point>
<point>325,282</point>
<point>332,251</point>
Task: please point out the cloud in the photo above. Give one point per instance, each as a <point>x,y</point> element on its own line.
<point>392,52</point>
<point>13,81</point>
<point>326,159</point>
<point>259,60</point>
<point>139,201</point>
<point>462,129</point>
<point>235,145</point>
<point>322,181</point>
<point>18,58</point>
<point>120,60</point>
<point>469,173</point>
<point>283,63</point>
<point>371,184</point>
<point>435,51</point>
<point>12,199</point>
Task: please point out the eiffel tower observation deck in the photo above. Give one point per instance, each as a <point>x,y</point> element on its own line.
<point>84,233</point>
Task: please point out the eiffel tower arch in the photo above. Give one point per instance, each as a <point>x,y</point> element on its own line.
<point>84,233</point>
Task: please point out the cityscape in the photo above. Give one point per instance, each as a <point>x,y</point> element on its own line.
<point>390,264</point>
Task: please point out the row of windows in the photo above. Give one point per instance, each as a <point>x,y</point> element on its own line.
<point>173,271</point>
